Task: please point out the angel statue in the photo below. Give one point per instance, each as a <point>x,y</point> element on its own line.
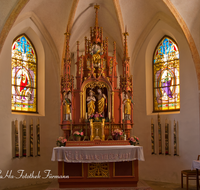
<point>91,103</point>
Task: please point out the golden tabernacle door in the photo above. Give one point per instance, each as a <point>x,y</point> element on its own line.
<point>97,130</point>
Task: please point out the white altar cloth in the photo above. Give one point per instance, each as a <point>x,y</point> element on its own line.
<point>97,154</point>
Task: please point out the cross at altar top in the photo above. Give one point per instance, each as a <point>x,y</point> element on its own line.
<point>96,19</point>
<point>96,33</point>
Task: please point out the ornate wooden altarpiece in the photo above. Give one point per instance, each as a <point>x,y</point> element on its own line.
<point>96,93</point>
<point>96,70</point>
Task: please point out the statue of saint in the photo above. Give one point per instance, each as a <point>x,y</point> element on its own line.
<point>67,105</point>
<point>96,53</point>
<point>102,102</point>
<point>91,103</point>
<point>127,107</point>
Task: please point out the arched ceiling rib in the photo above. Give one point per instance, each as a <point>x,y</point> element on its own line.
<point>85,18</point>
<point>54,16</point>
<point>136,14</point>
<point>8,14</point>
<point>188,36</point>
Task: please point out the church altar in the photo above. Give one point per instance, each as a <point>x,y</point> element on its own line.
<point>97,112</point>
<point>98,154</point>
<point>98,166</point>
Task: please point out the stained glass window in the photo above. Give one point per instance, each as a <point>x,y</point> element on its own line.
<point>24,73</point>
<point>166,82</point>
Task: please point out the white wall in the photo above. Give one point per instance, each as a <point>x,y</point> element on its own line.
<point>166,168</point>
<point>49,108</point>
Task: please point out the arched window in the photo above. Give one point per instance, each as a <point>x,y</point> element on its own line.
<point>166,81</point>
<point>24,76</point>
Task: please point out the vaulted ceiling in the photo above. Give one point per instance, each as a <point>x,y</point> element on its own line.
<point>136,14</point>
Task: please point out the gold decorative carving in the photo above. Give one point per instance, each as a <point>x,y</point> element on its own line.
<point>97,170</point>
<point>94,84</point>
<point>97,130</point>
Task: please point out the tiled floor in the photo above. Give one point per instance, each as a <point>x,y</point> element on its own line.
<point>154,185</point>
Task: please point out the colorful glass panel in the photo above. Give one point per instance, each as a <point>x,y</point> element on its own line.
<point>24,73</point>
<point>166,82</point>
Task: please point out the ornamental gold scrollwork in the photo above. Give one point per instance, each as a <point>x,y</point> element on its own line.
<point>98,84</point>
<point>98,170</point>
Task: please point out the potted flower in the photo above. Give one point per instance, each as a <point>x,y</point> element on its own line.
<point>116,134</point>
<point>61,141</point>
<point>134,140</point>
<point>78,135</point>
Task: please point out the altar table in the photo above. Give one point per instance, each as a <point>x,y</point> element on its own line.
<point>196,165</point>
<point>98,166</point>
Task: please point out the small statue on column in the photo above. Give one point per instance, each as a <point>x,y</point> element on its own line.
<point>127,107</point>
<point>66,106</point>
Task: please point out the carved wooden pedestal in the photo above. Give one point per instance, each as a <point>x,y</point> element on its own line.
<point>113,174</point>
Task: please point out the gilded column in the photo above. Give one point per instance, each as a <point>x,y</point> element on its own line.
<point>81,105</point>
<point>103,125</point>
<point>113,118</point>
<point>91,127</point>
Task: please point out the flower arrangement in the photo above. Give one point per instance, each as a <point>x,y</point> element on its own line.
<point>134,140</point>
<point>96,116</point>
<point>78,133</point>
<point>117,133</point>
<point>61,141</point>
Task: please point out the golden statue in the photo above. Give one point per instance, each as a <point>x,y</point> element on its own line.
<point>91,103</point>
<point>67,105</point>
<point>97,59</point>
<point>127,107</point>
<point>102,102</point>
<point>96,55</point>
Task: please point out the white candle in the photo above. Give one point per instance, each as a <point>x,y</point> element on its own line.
<point>70,115</point>
<point>109,115</point>
<point>86,115</point>
<point>122,115</point>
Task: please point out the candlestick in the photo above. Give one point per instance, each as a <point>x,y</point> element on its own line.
<point>110,136</point>
<point>124,127</point>
<point>86,115</point>
<point>151,120</point>
<point>71,138</point>
<point>86,136</point>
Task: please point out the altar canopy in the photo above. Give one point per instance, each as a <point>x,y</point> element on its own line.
<point>98,154</point>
